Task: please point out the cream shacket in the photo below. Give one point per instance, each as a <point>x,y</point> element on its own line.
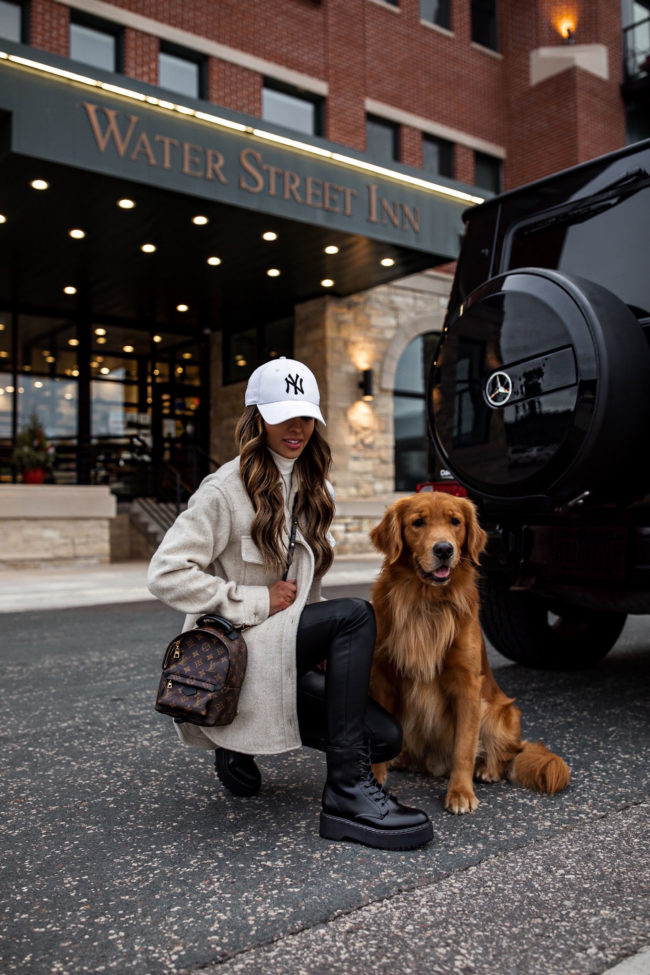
<point>208,562</point>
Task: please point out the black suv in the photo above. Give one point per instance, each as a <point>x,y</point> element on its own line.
<point>539,402</point>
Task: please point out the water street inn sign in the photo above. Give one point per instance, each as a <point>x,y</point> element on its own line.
<point>89,122</point>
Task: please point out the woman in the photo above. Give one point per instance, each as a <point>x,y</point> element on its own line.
<point>228,554</point>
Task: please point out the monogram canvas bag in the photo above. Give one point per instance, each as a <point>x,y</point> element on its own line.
<point>202,673</point>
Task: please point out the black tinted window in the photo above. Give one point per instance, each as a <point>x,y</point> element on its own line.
<point>610,247</point>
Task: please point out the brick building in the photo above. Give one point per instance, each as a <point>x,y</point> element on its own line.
<point>296,172</point>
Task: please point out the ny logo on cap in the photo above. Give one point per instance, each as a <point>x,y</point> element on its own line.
<point>296,382</point>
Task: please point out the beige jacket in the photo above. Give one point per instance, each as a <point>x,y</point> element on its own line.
<point>208,562</point>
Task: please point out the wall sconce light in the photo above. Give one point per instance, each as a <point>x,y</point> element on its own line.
<point>565,24</point>
<point>366,384</point>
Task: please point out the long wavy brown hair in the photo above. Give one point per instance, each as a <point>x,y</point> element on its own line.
<point>261,478</point>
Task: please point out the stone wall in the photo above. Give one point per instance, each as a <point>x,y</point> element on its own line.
<point>46,526</point>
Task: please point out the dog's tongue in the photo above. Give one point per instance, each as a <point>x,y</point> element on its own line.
<point>442,573</point>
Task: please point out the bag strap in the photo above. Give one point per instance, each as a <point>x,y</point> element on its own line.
<point>292,538</point>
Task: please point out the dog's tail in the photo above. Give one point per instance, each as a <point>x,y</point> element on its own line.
<point>535,767</point>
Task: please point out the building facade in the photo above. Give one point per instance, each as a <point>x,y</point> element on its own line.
<point>188,188</point>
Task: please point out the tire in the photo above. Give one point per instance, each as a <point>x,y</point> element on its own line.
<point>518,626</point>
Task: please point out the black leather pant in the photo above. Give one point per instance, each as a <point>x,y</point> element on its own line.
<point>333,707</point>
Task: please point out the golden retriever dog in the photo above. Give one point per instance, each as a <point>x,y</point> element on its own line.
<point>431,669</point>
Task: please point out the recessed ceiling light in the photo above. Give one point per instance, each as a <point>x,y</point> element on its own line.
<point>128,348</point>
<point>9,389</point>
<point>200,220</point>
<point>187,355</point>
<point>214,261</point>
<point>327,282</point>
<point>5,355</point>
<point>331,249</point>
<point>3,219</point>
<point>104,370</point>
<point>77,233</point>
<point>2,326</point>
<point>39,184</point>
<point>157,338</point>
<point>125,203</point>
<point>100,331</point>
<point>67,396</point>
<point>101,340</point>
<point>182,307</point>
<point>50,359</point>
<point>269,235</point>
<point>273,272</point>
<point>148,248</point>
<point>75,372</point>
<point>73,341</point>
<point>179,370</point>
<point>387,262</point>
<point>38,384</point>
<point>70,289</point>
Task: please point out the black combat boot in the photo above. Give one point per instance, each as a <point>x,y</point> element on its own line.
<point>357,807</point>
<point>237,772</point>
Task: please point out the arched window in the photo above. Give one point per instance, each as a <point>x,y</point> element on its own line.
<point>414,454</point>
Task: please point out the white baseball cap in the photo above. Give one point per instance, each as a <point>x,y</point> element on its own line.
<point>284,388</point>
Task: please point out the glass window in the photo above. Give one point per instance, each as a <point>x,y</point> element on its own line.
<point>414,454</point>
<point>246,350</point>
<point>10,21</point>
<point>487,172</point>
<point>180,74</point>
<point>382,138</point>
<point>94,46</point>
<point>292,109</point>
<point>436,12</point>
<point>484,23</point>
<point>437,155</point>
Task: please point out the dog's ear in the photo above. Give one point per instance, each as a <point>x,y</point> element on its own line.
<point>476,537</point>
<point>387,535</point>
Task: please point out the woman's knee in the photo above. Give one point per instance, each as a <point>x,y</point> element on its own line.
<point>360,612</point>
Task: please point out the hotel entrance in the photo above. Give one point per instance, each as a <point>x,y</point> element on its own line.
<point>120,405</point>
<point>153,253</point>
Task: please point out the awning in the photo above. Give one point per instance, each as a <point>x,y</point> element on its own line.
<point>97,138</point>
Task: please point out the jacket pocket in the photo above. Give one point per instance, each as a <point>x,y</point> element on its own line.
<point>250,551</point>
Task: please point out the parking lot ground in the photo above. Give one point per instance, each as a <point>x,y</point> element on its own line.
<point>124,854</point>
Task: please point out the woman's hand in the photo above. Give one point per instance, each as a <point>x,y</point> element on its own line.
<point>281,595</point>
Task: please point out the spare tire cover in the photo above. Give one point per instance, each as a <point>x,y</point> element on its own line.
<point>540,387</point>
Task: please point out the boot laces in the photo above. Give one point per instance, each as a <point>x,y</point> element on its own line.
<point>374,788</point>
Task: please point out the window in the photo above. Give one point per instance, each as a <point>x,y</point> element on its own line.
<point>487,172</point>
<point>414,454</point>
<point>292,108</point>
<point>244,351</point>
<point>97,43</point>
<point>437,156</point>
<point>436,12</point>
<point>382,138</point>
<point>181,71</point>
<point>11,17</point>
<point>484,23</point>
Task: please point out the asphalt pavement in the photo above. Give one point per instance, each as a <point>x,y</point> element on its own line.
<point>123,854</point>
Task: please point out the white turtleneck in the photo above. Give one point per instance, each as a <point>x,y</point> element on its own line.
<point>285,467</point>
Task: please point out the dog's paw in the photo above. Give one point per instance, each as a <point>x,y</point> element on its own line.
<point>458,801</point>
<point>484,774</point>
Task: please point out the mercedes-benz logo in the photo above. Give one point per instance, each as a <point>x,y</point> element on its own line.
<point>498,389</point>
